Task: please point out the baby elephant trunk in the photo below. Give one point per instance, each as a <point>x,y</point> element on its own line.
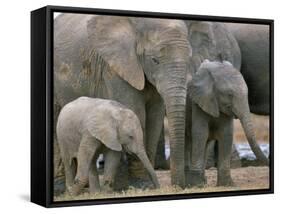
<point>249,131</point>
<point>144,159</point>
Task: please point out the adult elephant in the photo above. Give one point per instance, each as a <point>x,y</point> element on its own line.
<point>212,41</point>
<point>140,62</point>
<point>253,40</point>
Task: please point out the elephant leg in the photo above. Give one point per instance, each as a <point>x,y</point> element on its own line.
<point>69,172</point>
<point>155,112</point>
<point>94,183</point>
<point>200,134</point>
<point>211,154</point>
<point>224,157</point>
<point>137,175</point>
<point>160,159</point>
<point>87,149</point>
<point>121,181</point>
<point>153,123</point>
<point>188,140</point>
<point>111,163</point>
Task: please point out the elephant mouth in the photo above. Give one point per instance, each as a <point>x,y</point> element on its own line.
<point>126,149</point>
<point>231,114</point>
<point>234,114</point>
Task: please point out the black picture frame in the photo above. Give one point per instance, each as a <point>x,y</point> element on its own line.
<point>42,105</point>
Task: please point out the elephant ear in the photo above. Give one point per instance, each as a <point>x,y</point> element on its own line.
<point>202,39</point>
<point>105,128</point>
<point>114,38</point>
<point>202,91</point>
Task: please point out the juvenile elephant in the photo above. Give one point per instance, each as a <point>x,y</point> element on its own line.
<point>87,127</point>
<point>219,94</point>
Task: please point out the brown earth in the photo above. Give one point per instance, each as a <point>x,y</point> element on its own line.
<point>244,178</point>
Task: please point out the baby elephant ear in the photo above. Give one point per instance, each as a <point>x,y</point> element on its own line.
<point>104,128</point>
<point>202,91</point>
<point>114,38</point>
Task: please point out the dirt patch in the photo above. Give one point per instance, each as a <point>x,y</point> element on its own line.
<point>245,178</point>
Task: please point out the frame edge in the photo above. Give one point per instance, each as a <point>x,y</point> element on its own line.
<point>38,107</point>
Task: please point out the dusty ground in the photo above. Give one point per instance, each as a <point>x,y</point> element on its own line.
<point>244,178</point>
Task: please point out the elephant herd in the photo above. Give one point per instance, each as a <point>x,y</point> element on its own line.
<point>201,75</point>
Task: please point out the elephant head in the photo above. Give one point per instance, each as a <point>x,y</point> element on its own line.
<point>218,88</point>
<point>131,139</point>
<point>119,128</point>
<point>140,49</point>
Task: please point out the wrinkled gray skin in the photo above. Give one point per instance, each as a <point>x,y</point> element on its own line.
<point>89,126</point>
<point>140,62</point>
<point>212,41</point>
<point>254,44</point>
<point>219,94</point>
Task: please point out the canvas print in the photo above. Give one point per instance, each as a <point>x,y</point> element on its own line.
<point>157,106</point>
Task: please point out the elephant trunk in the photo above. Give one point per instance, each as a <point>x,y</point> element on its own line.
<point>174,96</point>
<point>176,119</point>
<point>249,131</point>
<point>147,165</point>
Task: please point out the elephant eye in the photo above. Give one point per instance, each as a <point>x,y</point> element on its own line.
<point>131,137</point>
<point>230,95</point>
<point>156,61</point>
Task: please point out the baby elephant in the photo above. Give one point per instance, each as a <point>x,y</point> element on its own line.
<point>219,94</point>
<point>87,127</point>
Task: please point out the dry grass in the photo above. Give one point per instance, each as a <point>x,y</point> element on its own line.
<point>244,178</point>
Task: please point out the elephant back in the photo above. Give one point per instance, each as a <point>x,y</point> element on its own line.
<point>212,41</point>
<point>227,47</point>
<point>71,40</point>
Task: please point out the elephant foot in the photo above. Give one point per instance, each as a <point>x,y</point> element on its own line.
<point>59,186</point>
<point>224,178</point>
<point>76,188</point>
<point>225,182</point>
<point>94,190</point>
<point>138,177</point>
<point>141,183</point>
<point>107,187</point>
<point>162,165</point>
<point>121,182</point>
<point>195,178</point>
